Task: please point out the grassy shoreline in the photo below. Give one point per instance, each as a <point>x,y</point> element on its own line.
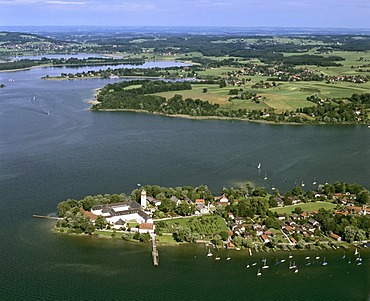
<point>212,117</point>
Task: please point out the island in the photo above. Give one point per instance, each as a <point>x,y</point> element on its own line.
<point>333,216</point>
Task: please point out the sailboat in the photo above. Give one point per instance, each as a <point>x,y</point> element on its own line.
<point>290,255</point>
<point>228,257</point>
<point>265,178</point>
<point>209,253</point>
<point>259,166</point>
<point>344,255</point>
<point>307,257</point>
<point>314,182</point>
<point>247,265</point>
<point>317,256</point>
<point>217,257</point>
<point>264,265</point>
<point>324,262</point>
<point>356,251</point>
<point>302,184</point>
<point>254,263</point>
<point>259,272</point>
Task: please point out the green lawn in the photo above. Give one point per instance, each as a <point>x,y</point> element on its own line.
<point>305,207</point>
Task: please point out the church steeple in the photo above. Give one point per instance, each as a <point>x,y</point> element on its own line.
<point>143,198</point>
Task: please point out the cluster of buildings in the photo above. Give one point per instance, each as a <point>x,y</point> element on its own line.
<point>119,215</point>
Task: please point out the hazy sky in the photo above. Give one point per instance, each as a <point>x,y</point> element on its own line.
<point>249,13</point>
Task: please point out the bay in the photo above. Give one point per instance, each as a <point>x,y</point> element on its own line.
<point>73,152</point>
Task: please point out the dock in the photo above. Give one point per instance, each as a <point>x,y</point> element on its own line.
<point>46,216</point>
<point>155,253</point>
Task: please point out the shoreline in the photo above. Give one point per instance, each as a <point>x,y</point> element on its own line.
<point>329,246</point>
<point>215,117</point>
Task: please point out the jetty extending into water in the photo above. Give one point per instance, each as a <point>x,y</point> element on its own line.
<point>46,216</point>
<point>155,253</point>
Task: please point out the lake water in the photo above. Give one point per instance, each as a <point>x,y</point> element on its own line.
<point>73,152</point>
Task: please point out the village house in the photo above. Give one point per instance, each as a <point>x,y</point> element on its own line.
<point>200,207</point>
<point>336,237</point>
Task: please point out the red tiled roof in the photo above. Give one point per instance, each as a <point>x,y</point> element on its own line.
<point>88,214</point>
<point>146,226</point>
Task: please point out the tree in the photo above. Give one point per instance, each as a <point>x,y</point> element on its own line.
<point>217,240</point>
<point>360,235</point>
<point>185,209</point>
<point>363,197</point>
<point>126,236</point>
<point>101,222</point>
<point>349,233</point>
<point>144,237</point>
<point>298,210</point>
<point>224,235</point>
<point>297,191</point>
<point>238,240</point>
<point>223,83</point>
<point>259,191</point>
<point>166,205</point>
<point>205,90</point>
<point>63,207</point>
<point>272,222</point>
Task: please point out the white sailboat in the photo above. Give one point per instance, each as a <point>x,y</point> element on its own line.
<point>324,262</point>
<point>259,166</point>
<point>209,253</point>
<point>228,257</point>
<point>265,266</point>
<point>259,272</point>
<point>265,178</point>
<point>290,255</point>
<point>356,251</point>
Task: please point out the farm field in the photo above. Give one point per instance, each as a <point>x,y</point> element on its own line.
<point>286,96</point>
<point>204,225</point>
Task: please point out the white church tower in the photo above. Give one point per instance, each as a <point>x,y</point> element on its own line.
<point>143,199</point>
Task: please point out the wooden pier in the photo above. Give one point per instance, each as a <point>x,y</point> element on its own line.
<point>46,216</point>
<point>155,253</point>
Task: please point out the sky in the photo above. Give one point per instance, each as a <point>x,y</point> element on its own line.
<point>241,13</point>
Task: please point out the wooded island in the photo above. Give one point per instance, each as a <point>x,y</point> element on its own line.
<point>244,217</point>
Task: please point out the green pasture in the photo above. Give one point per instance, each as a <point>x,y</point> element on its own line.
<point>287,96</point>
<point>305,207</point>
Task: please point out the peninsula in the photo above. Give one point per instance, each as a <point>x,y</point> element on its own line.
<point>301,77</point>
<point>335,215</point>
